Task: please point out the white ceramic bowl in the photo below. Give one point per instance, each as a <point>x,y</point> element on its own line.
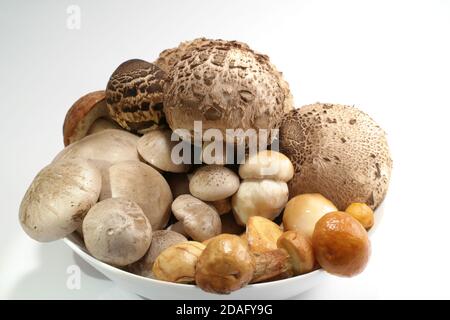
<point>156,289</point>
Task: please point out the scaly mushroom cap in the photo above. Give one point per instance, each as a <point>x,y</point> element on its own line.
<point>58,198</point>
<point>213,182</point>
<point>337,151</point>
<point>226,85</point>
<point>134,95</point>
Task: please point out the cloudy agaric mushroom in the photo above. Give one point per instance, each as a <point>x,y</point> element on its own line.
<point>337,151</point>
<point>134,95</point>
<point>226,85</point>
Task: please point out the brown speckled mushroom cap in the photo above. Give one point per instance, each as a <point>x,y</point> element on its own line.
<point>337,151</point>
<point>226,85</point>
<point>134,95</point>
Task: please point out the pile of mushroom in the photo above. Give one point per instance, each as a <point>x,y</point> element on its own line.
<point>119,186</point>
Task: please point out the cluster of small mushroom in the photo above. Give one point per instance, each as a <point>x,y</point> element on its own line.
<point>220,226</point>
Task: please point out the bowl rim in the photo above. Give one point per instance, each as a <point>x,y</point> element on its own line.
<point>82,252</point>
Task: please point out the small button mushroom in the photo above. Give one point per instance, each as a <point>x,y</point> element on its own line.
<point>361,212</point>
<point>213,182</point>
<point>303,211</point>
<point>116,231</point>
<point>134,95</point>
<point>178,262</point>
<point>341,244</point>
<point>82,115</point>
<point>300,251</point>
<point>267,164</point>
<point>225,265</point>
<point>58,199</point>
<point>264,198</point>
<point>155,147</point>
<point>262,234</point>
<point>161,240</point>
<point>200,220</point>
<point>222,206</point>
<point>144,185</point>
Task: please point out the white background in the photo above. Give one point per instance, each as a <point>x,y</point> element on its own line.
<point>389,58</point>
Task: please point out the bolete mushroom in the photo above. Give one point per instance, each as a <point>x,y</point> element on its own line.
<point>226,85</point>
<point>337,151</point>
<point>161,240</point>
<point>267,164</point>
<point>341,244</point>
<point>225,265</point>
<point>80,117</point>
<point>262,234</point>
<point>134,95</point>
<point>116,231</point>
<point>144,185</point>
<point>264,198</point>
<point>303,211</point>
<point>213,182</point>
<point>200,220</point>
<point>58,199</point>
<point>155,147</point>
<point>178,263</point>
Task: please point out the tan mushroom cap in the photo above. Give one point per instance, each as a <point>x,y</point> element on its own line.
<point>303,211</point>
<point>267,164</point>
<point>226,85</point>
<point>200,220</point>
<point>82,115</point>
<point>222,206</point>
<point>58,199</point>
<point>116,231</point>
<point>102,124</point>
<point>178,263</point>
<point>144,185</point>
<point>337,151</point>
<point>161,240</point>
<point>155,147</point>
<point>213,182</point>
<point>225,265</point>
<point>265,198</point>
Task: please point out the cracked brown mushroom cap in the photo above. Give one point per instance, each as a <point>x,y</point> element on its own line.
<point>178,262</point>
<point>155,147</point>
<point>226,85</point>
<point>82,115</point>
<point>134,96</point>
<point>161,240</point>
<point>213,182</point>
<point>58,198</point>
<point>116,231</point>
<point>144,185</point>
<point>200,220</point>
<point>225,265</point>
<point>337,151</point>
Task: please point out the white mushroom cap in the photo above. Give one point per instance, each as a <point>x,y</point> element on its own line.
<point>156,146</point>
<point>264,198</point>
<point>58,198</point>
<point>116,231</point>
<point>200,220</point>
<point>109,145</point>
<point>144,185</point>
<point>213,182</point>
<point>267,164</point>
